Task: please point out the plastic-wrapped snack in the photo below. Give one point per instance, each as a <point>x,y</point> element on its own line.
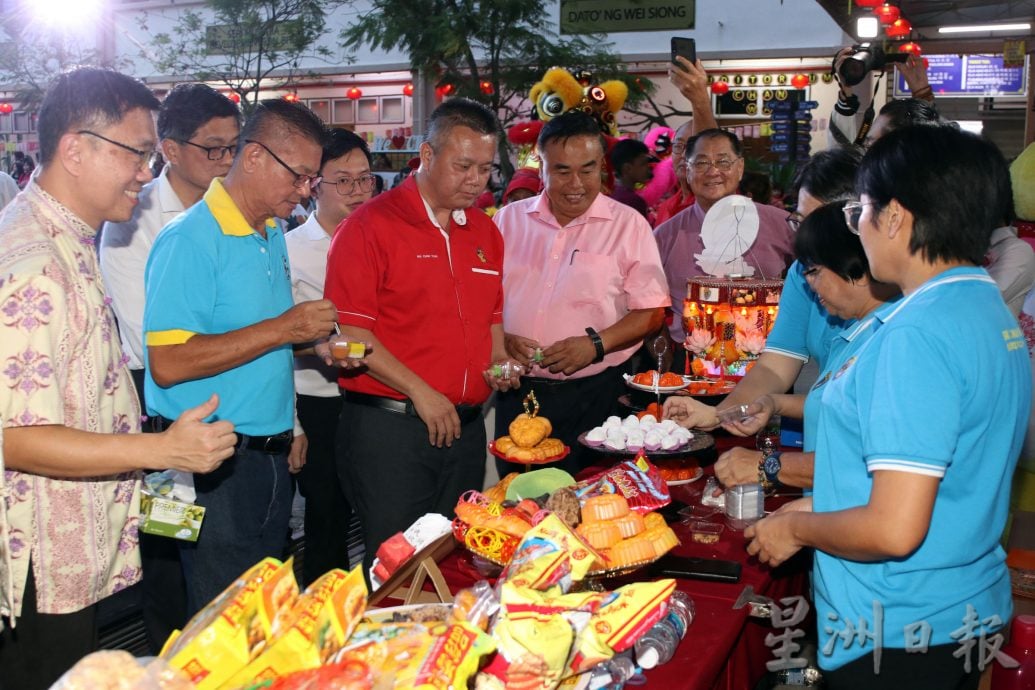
<point>533,649</point>
<point>632,611</point>
<point>418,656</point>
<point>547,555</point>
<point>476,605</point>
<point>348,675</point>
<point>313,630</point>
<point>515,599</point>
<point>224,635</point>
<point>118,670</point>
<point>638,480</point>
<point>565,504</point>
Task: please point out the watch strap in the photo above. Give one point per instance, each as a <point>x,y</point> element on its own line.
<point>598,344</point>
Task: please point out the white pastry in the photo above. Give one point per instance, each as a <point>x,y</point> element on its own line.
<point>647,421</point>
<point>670,443</point>
<point>615,443</point>
<point>634,441</point>
<point>652,440</point>
<point>668,426</point>
<point>612,421</point>
<point>630,422</point>
<point>616,432</point>
<point>596,436</point>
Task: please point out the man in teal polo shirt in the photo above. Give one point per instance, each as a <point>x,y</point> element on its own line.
<point>219,316</point>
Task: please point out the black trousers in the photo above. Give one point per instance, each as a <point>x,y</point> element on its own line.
<point>327,511</point>
<point>163,589</point>
<point>935,669</point>
<point>392,475</point>
<point>43,646</point>
<point>572,406</point>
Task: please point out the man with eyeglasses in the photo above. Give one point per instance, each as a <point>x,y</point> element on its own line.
<point>219,315</point>
<point>197,130</point>
<point>715,166</point>
<point>71,445</point>
<point>347,183</point>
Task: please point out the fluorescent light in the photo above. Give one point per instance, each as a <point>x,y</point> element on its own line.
<point>983,27</point>
<point>867,27</point>
<point>972,126</point>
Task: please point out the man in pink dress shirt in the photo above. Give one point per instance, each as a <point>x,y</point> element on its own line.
<point>582,283</point>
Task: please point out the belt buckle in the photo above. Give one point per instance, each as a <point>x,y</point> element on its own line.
<point>271,441</point>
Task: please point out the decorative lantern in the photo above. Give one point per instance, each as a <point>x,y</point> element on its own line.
<point>444,90</point>
<point>899,28</point>
<point>6,108</point>
<point>354,94</point>
<point>887,13</point>
<point>910,47</point>
<point>291,97</point>
<point>486,88</point>
<point>235,97</point>
<point>720,88</point>
<point>408,90</point>
<point>869,3</point>
<point>800,81</point>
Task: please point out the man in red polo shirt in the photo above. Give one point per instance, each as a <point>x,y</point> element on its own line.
<point>417,273</point>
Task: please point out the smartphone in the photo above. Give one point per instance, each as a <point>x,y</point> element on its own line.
<point>685,47</point>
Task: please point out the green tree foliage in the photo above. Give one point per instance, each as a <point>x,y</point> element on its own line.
<point>247,45</point>
<point>508,44</point>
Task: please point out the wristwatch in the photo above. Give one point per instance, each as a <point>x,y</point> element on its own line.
<point>769,470</point>
<point>598,344</point>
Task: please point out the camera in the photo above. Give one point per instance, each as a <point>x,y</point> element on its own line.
<point>866,58</point>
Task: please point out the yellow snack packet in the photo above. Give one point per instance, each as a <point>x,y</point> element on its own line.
<point>547,555</point>
<point>312,631</point>
<point>533,649</point>
<point>221,638</point>
<point>631,611</point>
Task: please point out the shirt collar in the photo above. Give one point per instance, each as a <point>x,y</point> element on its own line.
<point>459,215</point>
<point>230,219</point>
<point>167,196</point>
<point>312,230</point>
<point>83,232</point>
<point>600,209</point>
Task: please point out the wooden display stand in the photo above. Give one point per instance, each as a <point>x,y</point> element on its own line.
<point>421,566</point>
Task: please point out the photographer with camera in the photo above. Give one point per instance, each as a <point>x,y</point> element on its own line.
<point>850,67</point>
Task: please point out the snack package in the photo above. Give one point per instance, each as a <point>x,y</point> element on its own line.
<point>231,629</point>
<point>476,605</point>
<point>549,554</point>
<point>533,650</point>
<point>638,480</point>
<point>119,670</point>
<point>312,631</point>
<point>631,611</point>
<point>392,553</point>
<point>349,675</point>
<point>424,657</point>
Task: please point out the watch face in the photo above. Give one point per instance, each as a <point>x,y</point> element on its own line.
<point>771,467</point>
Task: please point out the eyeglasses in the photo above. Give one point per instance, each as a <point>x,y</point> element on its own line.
<point>214,153</point>
<point>146,159</point>
<point>309,181</point>
<point>794,221</point>
<point>702,165</point>
<point>346,185</point>
<point>811,271</point>
<point>853,212</point>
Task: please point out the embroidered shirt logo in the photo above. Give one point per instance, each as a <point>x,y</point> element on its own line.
<point>481,255</point>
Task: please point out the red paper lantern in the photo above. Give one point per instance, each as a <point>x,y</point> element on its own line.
<point>235,97</point>
<point>291,97</point>
<point>720,88</point>
<point>354,94</point>
<point>910,47</point>
<point>887,13</point>
<point>6,108</point>
<point>444,90</point>
<point>486,88</point>
<point>899,28</point>
<point>868,3</point>
<point>408,90</point>
<point>800,81</point>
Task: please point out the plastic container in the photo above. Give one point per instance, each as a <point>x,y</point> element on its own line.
<point>745,504</point>
<point>705,532</point>
<point>658,645</point>
<point>614,673</point>
<point>342,348</point>
<point>505,370</point>
<point>1022,649</point>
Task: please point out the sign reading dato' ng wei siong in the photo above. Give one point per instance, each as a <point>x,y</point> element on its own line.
<point>610,16</point>
<point>969,75</point>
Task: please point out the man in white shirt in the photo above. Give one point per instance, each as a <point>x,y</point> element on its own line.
<point>198,129</point>
<point>347,183</point>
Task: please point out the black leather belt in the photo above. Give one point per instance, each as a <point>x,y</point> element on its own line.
<point>276,444</point>
<point>466,413</point>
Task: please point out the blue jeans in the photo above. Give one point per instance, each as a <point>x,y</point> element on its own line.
<point>247,506</point>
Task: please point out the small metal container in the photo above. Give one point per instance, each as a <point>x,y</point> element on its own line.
<point>744,505</point>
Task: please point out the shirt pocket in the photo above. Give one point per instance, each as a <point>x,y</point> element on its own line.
<point>485,282</point>
<point>589,278</point>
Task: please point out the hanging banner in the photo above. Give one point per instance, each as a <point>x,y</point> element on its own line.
<point>611,16</point>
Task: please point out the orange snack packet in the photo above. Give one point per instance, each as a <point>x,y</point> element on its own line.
<point>631,611</point>
<point>549,554</point>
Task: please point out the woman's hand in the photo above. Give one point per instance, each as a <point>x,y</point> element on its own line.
<point>772,539</point>
<point>689,413</point>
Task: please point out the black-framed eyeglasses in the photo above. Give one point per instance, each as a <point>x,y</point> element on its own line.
<point>702,165</point>
<point>214,153</point>
<point>794,221</point>
<point>147,159</point>
<point>310,181</point>
<point>853,212</point>
<point>346,185</point>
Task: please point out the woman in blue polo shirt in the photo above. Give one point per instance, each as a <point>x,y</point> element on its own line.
<point>918,434</point>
